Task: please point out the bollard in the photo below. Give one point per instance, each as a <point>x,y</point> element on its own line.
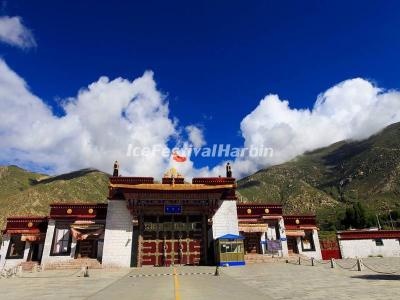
<point>332,263</point>
<point>19,271</point>
<point>85,271</point>
<point>216,271</point>
<point>312,261</point>
<point>299,260</point>
<point>359,265</point>
<point>287,261</point>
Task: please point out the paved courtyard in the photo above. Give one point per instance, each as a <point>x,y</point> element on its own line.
<point>258,281</point>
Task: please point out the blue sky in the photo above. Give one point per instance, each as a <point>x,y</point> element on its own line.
<point>214,59</point>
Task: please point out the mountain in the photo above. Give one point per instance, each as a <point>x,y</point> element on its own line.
<point>27,193</point>
<point>324,181</point>
<point>327,180</point>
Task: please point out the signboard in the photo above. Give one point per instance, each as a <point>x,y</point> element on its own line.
<point>169,226</point>
<point>173,209</point>
<point>274,245</point>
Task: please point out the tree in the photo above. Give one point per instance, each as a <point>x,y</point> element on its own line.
<point>357,217</point>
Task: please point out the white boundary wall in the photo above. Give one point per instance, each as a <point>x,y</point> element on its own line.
<point>367,247</point>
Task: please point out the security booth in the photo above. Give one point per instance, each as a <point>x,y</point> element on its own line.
<point>229,250</point>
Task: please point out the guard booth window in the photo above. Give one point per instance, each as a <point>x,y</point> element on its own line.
<point>229,250</point>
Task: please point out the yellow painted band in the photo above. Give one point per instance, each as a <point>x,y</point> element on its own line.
<point>176,286</point>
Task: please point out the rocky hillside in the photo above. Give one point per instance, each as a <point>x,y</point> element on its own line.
<point>27,193</point>
<point>326,179</point>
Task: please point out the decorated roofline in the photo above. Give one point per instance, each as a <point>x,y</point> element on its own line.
<point>171,180</point>
<point>258,210</point>
<point>293,222</point>
<point>172,187</point>
<point>78,211</point>
<point>131,180</point>
<point>24,224</point>
<point>214,180</point>
<point>253,204</point>
<point>77,204</point>
<point>24,218</point>
<point>362,234</point>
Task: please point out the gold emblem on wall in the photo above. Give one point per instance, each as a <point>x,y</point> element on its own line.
<point>249,211</point>
<point>266,211</point>
<point>69,211</point>
<point>297,221</point>
<point>30,224</point>
<point>90,211</point>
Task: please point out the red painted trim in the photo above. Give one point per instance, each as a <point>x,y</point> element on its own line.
<point>78,210</point>
<point>264,205</point>
<point>304,221</point>
<point>131,180</point>
<point>213,180</point>
<point>35,218</point>
<point>77,204</point>
<point>368,234</point>
<point>15,224</point>
<point>301,227</point>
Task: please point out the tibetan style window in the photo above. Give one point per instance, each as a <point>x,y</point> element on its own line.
<point>307,241</point>
<point>16,248</point>
<point>378,242</point>
<point>62,241</point>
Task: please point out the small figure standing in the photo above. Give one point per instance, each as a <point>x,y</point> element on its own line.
<point>116,169</point>
<point>228,170</point>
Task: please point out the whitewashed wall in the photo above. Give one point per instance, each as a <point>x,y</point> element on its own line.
<point>285,251</point>
<point>225,220</point>
<point>10,263</point>
<point>365,248</point>
<point>317,253</point>
<point>117,249</point>
<point>48,259</point>
<point>3,250</point>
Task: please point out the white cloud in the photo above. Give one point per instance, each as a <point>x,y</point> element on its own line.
<point>196,136</point>
<point>99,124</point>
<point>13,32</point>
<point>353,109</point>
<point>104,118</point>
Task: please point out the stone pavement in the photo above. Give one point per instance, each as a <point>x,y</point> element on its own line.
<point>291,281</point>
<point>257,281</point>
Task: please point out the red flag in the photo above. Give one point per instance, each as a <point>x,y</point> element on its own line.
<point>178,158</point>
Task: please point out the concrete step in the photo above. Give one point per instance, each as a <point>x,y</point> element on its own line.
<point>261,258</point>
<point>74,264</point>
<point>29,265</point>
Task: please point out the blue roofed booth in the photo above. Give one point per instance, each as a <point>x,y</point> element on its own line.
<point>229,250</point>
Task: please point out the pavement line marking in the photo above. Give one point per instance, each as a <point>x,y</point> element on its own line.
<point>169,274</point>
<point>176,286</point>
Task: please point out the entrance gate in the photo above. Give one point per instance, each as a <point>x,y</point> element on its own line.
<point>169,240</point>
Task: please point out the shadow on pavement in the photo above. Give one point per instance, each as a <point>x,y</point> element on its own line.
<point>378,277</point>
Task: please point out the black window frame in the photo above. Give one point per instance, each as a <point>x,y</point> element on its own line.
<point>66,253</point>
<point>311,233</point>
<point>380,241</point>
<point>11,242</point>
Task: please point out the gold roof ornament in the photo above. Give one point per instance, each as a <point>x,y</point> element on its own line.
<point>172,173</point>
